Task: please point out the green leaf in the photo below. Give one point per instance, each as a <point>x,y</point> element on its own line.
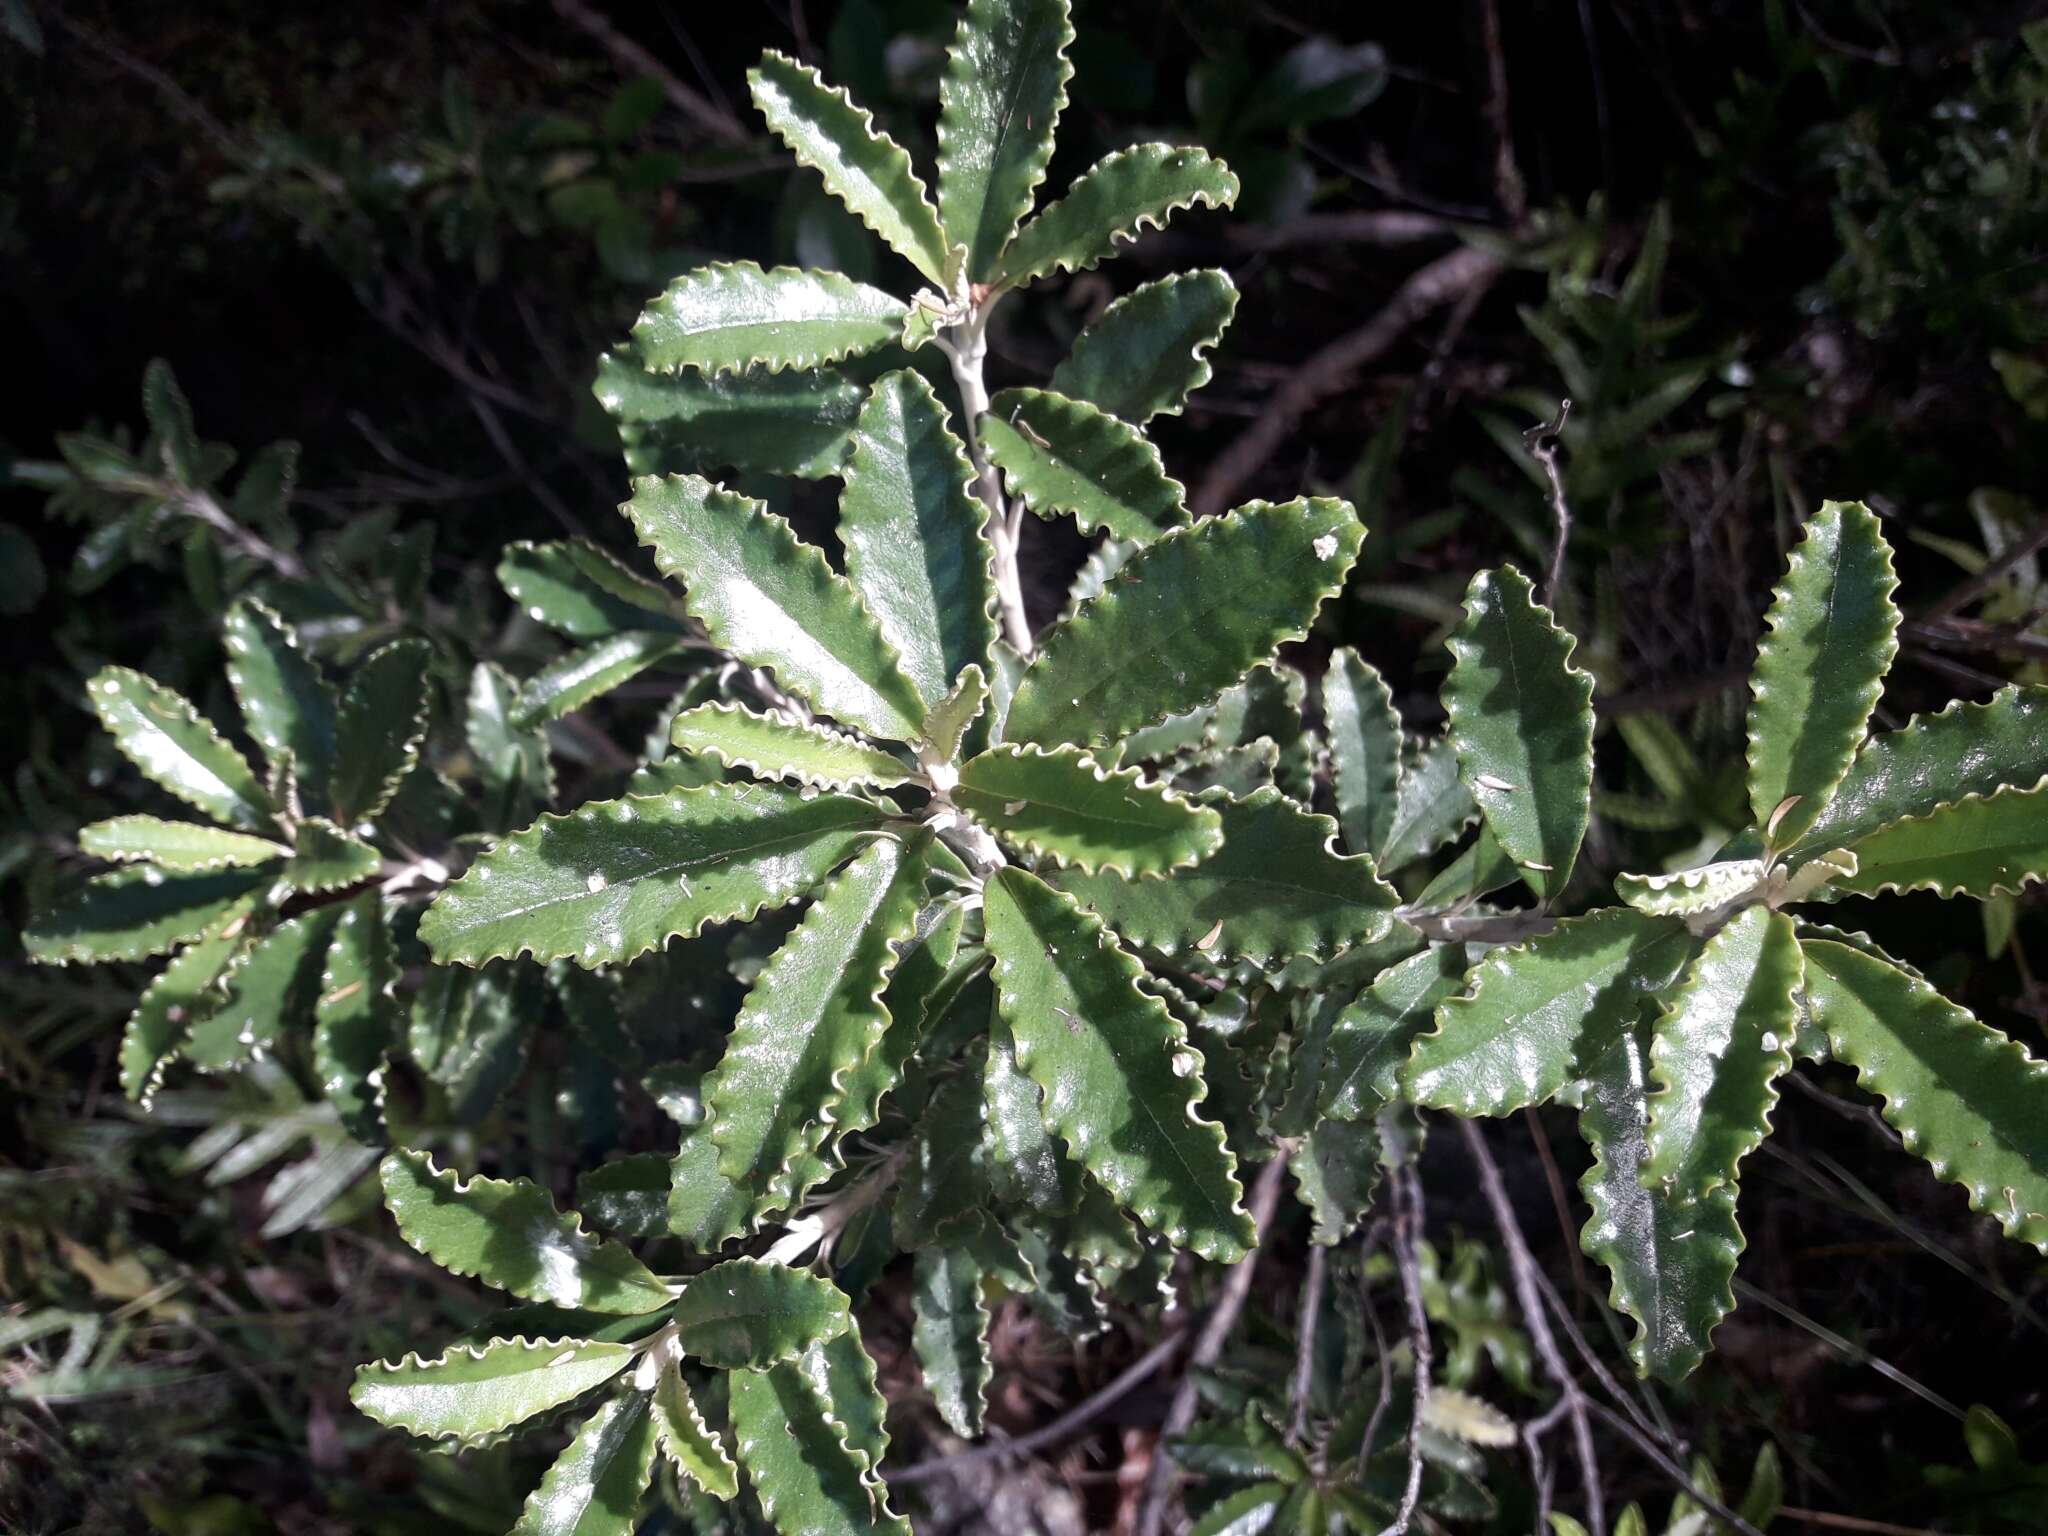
<point>1987,845</point>
<point>578,590</point>
<point>273,986</point>
<point>177,748</point>
<point>285,697</point>
<point>1144,355</point>
<point>168,1004</point>
<point>472,1393</point>
<point>863,167</point>
<point>809,1479</point>
<point>507,1233</point>
<point>1432,807</point>
<point>950,1335</point>
<point>1001,95</point>
<point>1026,1166</point>
<point>1369,1041</point>
<point>911,528</point>
<point>1522,725</point>
<point>1185,618</point>
<point>326,858</point>
<point>1691,890</point>
<point>747,1314</point>
<point>812,1018</point>
<point>614,879</point>
<point>595,1487</point>
<point>774,602</point>
<point>182,846</point>
<point>775,747</point>
<point>945,1189</point>
<point>1935,760</point>
<point>1830,635</point>
<point>1248,1512</point>
<point>1062,805</point>
<point>354,1019</point>
<point>1719,1047</point>
<point>1537,1008</point>
<point>378,730</point>
<point>133,913</point>
<point>572,680</point>
<point>925,982</point>
<point>1066,456</point>
<point>694,1446</point>
<point>1276,889</point>
<point>1365,749</point>
<point>1671,1260</point>
<point>512,763</point>
<point>842,1373</point>
<point>945,728</point>
<point>1336,1170</point>
<point>1118,196</point>
<point>793,423</point>
<point>1970,1101</point>
<point>732,315</point>
<point>705,1207</point>
<point>170,419</point>
<point>1121,1080</point>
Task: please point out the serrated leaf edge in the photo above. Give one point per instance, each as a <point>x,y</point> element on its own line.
<point>1130,869</point>
<point>414,1360</point>
<point>1148,218</point>
<point>823,734</point>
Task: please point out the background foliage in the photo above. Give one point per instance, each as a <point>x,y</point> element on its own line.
<point>1772,254</point>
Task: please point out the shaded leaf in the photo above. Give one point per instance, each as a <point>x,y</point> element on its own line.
<point>273,986</point>
<point>1066,456</point>
<point>325,858</point>
<point>774,602</point>
<point>378,730</point>
<point>1369,1041</point>
<point>1185,618</point>
<point>1365,749</point>
<point>1275,890</point>
<point>1830,635</point>
<point>809,1480</point>
<point>798,422</point>
<point>733,315</point>
<point>596,1485</point>
<point>139,911</point>
<point>950,1336</point>
<point>1121,194</point>
<point>1431,807</point>
<point>353,1018</point>
<point>695,1448</point>
<point>614,879</point>
<point>578,590</point>
<point>507,1233</point>
<point>1144,355</point>
<point>1026,1166</point>
<point>572,680</point>
<point>1121,1080</point>
<point>1062,805</point>
<point>750,1314</point>
<point>168,1005</point>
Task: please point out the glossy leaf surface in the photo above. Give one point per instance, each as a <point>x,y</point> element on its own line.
<point>1537,1008</point>
<point>578,590</point>
<point>1277,889</point>
<point>473,1392</point>
<point>1062,805</point>
<point>1123,193</point>
<point>507,1233</point>
<point>792,423</point>
<point>596,1485</point>
<point>378,730</point>
<point>1987,845</point>
<point>734,315</point>
<point>911,528</point>
<point>139,911</point>
<point>181,846</point>
<point>1120,1078</point>
<point>177,748</point>
<point>1690,890</point>
<point>774,602</point>
<point>950,1336</point>
<point>284,695</point>
<point>777,748</point>
<point>270,989</point>
<point>1369,1041</point>
<point>1000,97</point>
<point>1185,618</point>
<point>614,879</point>
<point>354,1019</point>
<point>1365,749</point>
<point>1145,354</point>
<point>169,1004</point>
<point>1966,1098</point>
<point>749,1314</point>
<point>1066,456</point>
<point>863,167</point>
<point>1830,635</point>
<point>809,1480</point>
<point>1522,725</point>
<point>573,679</point>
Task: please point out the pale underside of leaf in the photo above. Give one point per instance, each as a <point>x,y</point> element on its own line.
<point>1691,890</point>
<point>1121,1079</point>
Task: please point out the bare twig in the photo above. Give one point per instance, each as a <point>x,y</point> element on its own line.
<point>1541,441</point>
<point>633,59</point>
<point>1528,1295</point>
<point>1373,226</point>
<point>1967,592</point>
<point>1847,1348</point>
<point>1441,282</point>
<point>1305,1341</point>
<point>1853,1523</point>
<point>494,429</point>
<point>1386,1378</point>
<point>201,506</point>
<point>1671,1469</point>
<point>1406,1228</point>
<point>1208,1345</point>
<point>1507,176</point>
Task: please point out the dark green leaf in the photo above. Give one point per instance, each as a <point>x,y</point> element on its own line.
<point>177,747</point>
<point>474,1392</point>
<point>750,1314</point>
<point>378,731</point>
<point>133,913</point>
<point>284,696</point>
<point>595,1487</point>
<point>1063,806</point>
<point>168,1005</point>
<point>1116,198</point>
<point>950,1335</point>
<point>354,1019</point>
<point>730,316</point>
<point>809,1480</point>
<point>1144,355</point>
<point>1066,456</point>
<point>1365,750</point>
<point>574,587</point>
